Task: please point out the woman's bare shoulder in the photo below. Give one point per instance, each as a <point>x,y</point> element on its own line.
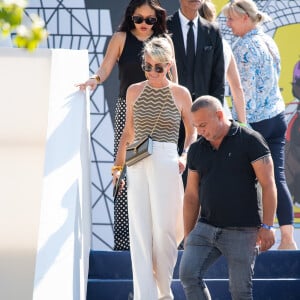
<point>135,89</point>
<point>119,37</point>
<point>179,89</point>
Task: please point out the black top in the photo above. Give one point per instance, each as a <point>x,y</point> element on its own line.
<point>228,185</point>
<point>130,70</point>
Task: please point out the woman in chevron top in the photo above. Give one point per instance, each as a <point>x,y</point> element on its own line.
<point>155,188</point>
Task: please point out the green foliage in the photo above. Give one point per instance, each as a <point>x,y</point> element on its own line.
<point>11,17</point>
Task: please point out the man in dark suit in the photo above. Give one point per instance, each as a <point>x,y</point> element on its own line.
<point>205,74</point>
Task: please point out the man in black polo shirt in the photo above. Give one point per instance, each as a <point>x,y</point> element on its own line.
<point>224,168</point>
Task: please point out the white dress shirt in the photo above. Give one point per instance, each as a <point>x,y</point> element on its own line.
<point>185,27</point>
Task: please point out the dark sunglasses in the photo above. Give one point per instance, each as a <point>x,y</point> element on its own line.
<point>158,68</point>
<point>140,20</point>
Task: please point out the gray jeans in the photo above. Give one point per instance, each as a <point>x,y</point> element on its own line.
<point>204,245</point>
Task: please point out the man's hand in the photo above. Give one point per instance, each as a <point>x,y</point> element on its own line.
<point>182,163</point>
<point>265,239</point>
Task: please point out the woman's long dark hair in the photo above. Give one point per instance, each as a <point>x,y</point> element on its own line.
<point>159,27</point>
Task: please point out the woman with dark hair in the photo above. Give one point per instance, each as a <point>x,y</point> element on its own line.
<point>143,20</point>
<point>159,27</point>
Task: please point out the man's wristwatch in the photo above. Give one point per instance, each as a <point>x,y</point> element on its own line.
<point>265,226</point>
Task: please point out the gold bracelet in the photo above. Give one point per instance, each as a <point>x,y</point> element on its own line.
<point>116,168</point>
<point>97,77</point>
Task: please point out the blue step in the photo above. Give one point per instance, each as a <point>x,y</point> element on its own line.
<point>276,277</point>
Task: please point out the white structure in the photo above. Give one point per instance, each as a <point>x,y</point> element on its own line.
<point>44,175</point>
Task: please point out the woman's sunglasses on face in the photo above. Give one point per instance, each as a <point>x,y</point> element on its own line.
<point>158,68</point>
<point>140,20</point>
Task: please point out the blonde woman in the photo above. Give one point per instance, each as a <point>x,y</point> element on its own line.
<point>258,61</point>
<point>155,188</point>
<point>208,12</point>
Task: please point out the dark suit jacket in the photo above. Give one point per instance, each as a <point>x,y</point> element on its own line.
<point>209,65</point>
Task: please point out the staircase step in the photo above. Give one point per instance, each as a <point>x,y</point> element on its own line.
<point>266,289</point>
<point>123,289</point>
<point>276,277</point>
<point>110,265</point>
<point>270,264</point>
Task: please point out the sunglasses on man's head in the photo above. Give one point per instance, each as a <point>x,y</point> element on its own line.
<point>158,68</point>
<point>140,20</point>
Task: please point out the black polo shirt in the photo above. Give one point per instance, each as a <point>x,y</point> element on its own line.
<point>228,185</point>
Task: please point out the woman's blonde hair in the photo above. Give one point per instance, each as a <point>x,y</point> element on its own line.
<point>248,7</point>
<point>159,49</point>
<point>208,10</point>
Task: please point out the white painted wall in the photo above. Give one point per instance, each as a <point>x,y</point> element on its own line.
<point>44,174</point>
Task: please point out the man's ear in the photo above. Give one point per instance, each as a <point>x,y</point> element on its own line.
<point>245,17</point>
<point>220,114</point>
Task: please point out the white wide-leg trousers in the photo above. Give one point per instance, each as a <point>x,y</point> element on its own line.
<point>155,200</point>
